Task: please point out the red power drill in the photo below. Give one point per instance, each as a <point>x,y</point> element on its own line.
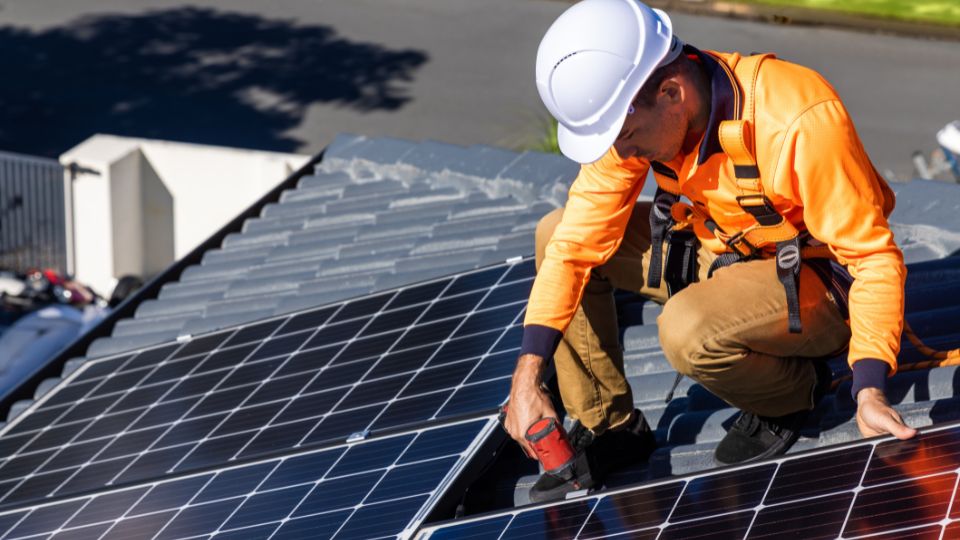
<point>549,441</point>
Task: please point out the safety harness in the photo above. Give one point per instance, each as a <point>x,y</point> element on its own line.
<point>671,221</point>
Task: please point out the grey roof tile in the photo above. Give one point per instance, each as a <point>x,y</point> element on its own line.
<point>116,344</point>
<point>200,325</point>
<point>320,250</point>
<point>259,239</point>
<point>183,289</point>
<point>379,150</point>
<point>435,156</point>
<point>140,325</point>
<point>239,256</point>
<point>336,283</point>
<point>542,169</point>
<point>171,307</point>
<point>268,285</point>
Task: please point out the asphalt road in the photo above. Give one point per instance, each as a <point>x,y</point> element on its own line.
<point>289,74</point>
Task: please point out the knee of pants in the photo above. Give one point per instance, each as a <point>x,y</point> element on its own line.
<point>545,228</point>
<point>681,327</point>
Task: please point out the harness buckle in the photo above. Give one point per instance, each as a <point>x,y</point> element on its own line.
<point>760,207</point>
<point>738,243</point>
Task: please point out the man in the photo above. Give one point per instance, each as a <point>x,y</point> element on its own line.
<point>784,239</point>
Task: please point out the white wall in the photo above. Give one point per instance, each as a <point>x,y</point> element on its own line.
<point>155,201</point>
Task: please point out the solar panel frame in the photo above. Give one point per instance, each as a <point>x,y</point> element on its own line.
<point>928,466</point>
<point>179,362</point>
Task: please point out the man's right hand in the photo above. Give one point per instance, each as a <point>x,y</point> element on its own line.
<point>528,401</point>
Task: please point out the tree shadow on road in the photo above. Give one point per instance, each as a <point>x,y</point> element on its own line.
<point>192,75</point>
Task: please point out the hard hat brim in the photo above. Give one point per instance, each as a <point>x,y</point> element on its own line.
<point>588,148</point>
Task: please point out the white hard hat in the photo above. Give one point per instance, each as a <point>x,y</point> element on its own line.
<point>590,65</point>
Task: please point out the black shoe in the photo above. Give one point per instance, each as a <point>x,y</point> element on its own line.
<point>595,457</point>
<point>753,437</point>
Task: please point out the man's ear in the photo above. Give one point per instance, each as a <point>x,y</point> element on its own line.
<point>671,90</point>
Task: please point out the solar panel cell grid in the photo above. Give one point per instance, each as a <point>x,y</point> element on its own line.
<point>225,396</point>
<point>887,489</point>
<point>360,490</point>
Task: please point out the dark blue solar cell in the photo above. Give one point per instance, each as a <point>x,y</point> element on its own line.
<point>38,486</point>
<point>222,400</point>
<point>640,509</point>
<point>340,375</point>
<point>724,526</point>
<point>815,519</point>
<point>205,517</point>
<point>438,378</point>
<point>319,527</point>
<point>249,418</point>
<point>510,340</point>
<point>139,527</point>
<point>189,431</point>
<point>402,361</point>
<point>410,410</point>
<point>338,493</point>
<point>340,425</point>
<point>370,456</point>
<point>818,475</point>
<point>308,361</point>
<point>898,460</point>
<point>477,397</point>
<point>465,347</point>
<point>153,356</point>
<point>106,507</point>
<point>262,532</point>
<point>377,391</point>
<point>70,393</point>
<point>192,386</point>
<point>254,333</point>
<point>370,521</point>
<point>234,482</point>
<point>121,382</point>
<point>363,307</point>
<point>203,345</point>
<point>170,495</point>
<point>336,333</point>
<point>301,469</point>
<point>370,347</point>
<point>522,270</point>
<point>442,442</point>
<point>45,519</point>
<point>98,368</point>
<point>36,419</point>
<point>267,507</point>
<point>419,294</point>
<point>481,280</point>
<point>451,307</point>
<point>140,398</point>
<point>94,475</point>
<point>214,451</point>
<point>424,334</point>
<point>494,366</point>
<point>310,320</point>
<point>278,388</point>
<point>252,373</point>
<point>153,464</point>
<point>165,413</point>
<point>280,345</point>
<point>55,436</point>
<point>488,529</point>
<point>226,358</point>
<point>410,480</point>
<point>83,533</point>
<point>130,443</point>
<point>507,294</point>
<point>310,406</point>
<point>22,465</point>
<point>554,522</point>
<point>75,454</point>
<point>728,492</point>
<point>392,320</point>
<point>912,503</point>
<point>278,438</point>
<point>11,444</point>
<point>492,319</point>
<point>169,372</point>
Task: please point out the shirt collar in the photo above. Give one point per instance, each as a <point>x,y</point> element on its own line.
<point>724,101</point>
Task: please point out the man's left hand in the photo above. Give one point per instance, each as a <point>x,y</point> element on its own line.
<point>875,416</point>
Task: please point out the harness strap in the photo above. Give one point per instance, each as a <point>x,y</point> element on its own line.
<point>668,194</point>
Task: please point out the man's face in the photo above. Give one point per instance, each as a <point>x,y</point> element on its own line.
<point>653,132</point>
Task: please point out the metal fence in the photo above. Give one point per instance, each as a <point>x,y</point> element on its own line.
<point>33,221</point>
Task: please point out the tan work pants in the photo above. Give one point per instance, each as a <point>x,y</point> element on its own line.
<point>728,333</point>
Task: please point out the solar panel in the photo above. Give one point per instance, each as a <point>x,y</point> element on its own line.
<point>878,489</point>
<point>368,489</point>
<point>426,353</point>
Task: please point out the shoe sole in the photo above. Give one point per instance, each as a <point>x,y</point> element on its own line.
<point>773,451</point>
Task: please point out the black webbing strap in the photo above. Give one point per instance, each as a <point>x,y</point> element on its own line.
<point>722,261</point>
<point>788,270</point>
<point>660,222</point>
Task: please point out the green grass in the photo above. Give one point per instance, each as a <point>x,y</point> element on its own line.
<point>945,12</point>
<point>548,137</point>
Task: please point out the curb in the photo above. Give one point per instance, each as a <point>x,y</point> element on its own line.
<point>799,16</point>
